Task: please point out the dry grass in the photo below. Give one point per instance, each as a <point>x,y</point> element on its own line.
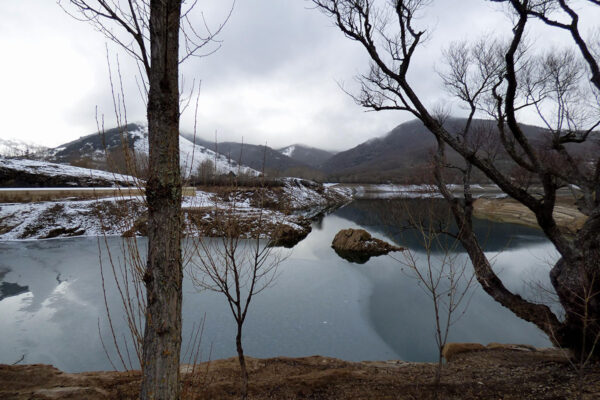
<point>499,373</point>
<point>50,194</point>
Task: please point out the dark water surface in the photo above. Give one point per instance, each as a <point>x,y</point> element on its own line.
<point>51,299</point>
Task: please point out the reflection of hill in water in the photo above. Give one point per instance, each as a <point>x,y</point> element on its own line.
<point>392,218</point>
<point>8,289</point>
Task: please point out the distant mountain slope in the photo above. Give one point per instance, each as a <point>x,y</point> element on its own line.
<point>258,157</point>
<point>20,148</point>
<point>93,150</point>
<point>405,152</point>
<point>306,154</point>
<point>385,158</point>
<point>96,145</point>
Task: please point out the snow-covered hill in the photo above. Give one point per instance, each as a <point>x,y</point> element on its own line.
<point>193,155</point>
<point>94,147</point>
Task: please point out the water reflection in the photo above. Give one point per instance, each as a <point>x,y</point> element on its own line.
<point>9,289</point>
<point>395,219</point>
<point>320,304</point>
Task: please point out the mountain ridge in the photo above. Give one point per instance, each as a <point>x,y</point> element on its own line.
<point>402,155</point>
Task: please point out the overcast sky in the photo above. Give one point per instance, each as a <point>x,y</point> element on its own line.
<point>274,80</point>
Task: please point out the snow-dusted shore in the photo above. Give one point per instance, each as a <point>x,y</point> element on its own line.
<point>126,215</point>
<point>40,220</point>
<point>391,190</point>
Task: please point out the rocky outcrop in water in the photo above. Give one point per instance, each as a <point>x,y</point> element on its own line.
<point>358,246</point>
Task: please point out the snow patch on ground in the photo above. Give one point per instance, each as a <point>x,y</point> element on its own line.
<point>305,194</point>
<point>52,169</point>
<point>417,191</point>
<point>116,215</point>
<point>76,218</point>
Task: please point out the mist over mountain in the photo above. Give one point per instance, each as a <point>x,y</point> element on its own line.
<point>19,148</point>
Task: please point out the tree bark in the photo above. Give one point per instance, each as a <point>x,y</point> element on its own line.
<point>163,275</point>
<point>242,360</point>
<point>577,284</point>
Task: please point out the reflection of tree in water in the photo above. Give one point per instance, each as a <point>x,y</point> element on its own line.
<point>392,218</point>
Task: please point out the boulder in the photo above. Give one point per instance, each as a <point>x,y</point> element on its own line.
<point>358,246</point>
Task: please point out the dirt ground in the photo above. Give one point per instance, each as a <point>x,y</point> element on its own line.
<point>566,214</point>
<point>500,373</point>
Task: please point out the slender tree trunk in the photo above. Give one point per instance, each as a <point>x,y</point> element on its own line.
<point>163,276</point>
<point>438,333</point>
<point>242,360</point>
<point>438,371</point>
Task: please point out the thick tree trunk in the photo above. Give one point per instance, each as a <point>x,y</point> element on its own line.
<point>575,277</point>
<point>163,277</point>
<point>577,283</point>
<point>539,314</point>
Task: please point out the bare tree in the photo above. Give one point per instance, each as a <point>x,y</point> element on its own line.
<point>238,267</point>
<point>206,171</point>
<point>499,80</point>
<point>440,271</point>
<point>150,31</point>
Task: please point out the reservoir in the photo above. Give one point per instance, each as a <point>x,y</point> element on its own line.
<point>53,309</point>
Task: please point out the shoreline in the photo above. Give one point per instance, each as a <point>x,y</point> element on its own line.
<point>288,210</point>
<point>285,213</point>
<point>495,371</point>
<point>567,217</point>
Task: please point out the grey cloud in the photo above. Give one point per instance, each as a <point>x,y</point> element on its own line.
<point>274,79</point>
